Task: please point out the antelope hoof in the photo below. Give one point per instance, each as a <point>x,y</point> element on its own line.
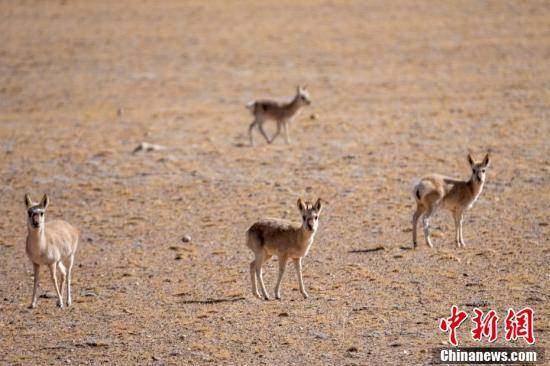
<point>278,297</point>
<point>32,305</point>
<point>266,298</point>
<point>60,304</point>
<point>305,295</point>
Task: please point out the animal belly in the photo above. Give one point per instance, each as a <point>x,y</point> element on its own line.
<point>44,258</point>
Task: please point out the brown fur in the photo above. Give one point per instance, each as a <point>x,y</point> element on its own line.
<point>281,113</point>
<point>284,239</point>
<point>51,244</point>
<point>437,191</point>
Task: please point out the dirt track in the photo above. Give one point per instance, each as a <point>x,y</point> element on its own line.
<point>401,89</point>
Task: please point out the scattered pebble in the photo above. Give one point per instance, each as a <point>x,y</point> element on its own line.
<point>94,343</point>
<point>284,314</point>
<point>314,116</point>
<point>186,238</point>
<point>478,303</point>
<point>147,147</point>
<point>320,335</point>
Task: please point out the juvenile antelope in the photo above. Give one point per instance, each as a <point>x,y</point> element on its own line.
<point>282,113</point>
<point>286,240</point>
<point>51,244</point>
<point>436,191</point>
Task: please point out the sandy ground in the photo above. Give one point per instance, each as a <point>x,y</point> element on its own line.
<point>402,88</point>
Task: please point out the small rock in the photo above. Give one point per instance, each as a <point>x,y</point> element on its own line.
<point>284,314</point>
<point>186,239</point>
<point>94,343</point>
<point>478,303</point>
<point>320,335</point>
<point>314,116</point>
<point>147,147</point>
<point>353,349</point>
<point>48,295</point>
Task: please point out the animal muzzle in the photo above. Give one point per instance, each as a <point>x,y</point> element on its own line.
<point>35,221</point>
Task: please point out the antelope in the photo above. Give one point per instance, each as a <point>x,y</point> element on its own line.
<point>282,113</point>
<point>52,244</point>
<point>437,191</point>
<point>286,240</point>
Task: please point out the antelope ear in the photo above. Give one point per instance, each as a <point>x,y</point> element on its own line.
<point>298,89</point>
<point>28,201</point>
<point>487,159</point>
<point>471,160</point>
<point>318,205</point>
<point>301,205</point>
<point>45,201</point>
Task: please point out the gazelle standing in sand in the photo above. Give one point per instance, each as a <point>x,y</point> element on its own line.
<point>286,240</point>
<point>51,244</point>
<point>282,113</point>
<point>437,191</point>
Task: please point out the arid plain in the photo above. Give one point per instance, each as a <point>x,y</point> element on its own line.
<point>399,89</point>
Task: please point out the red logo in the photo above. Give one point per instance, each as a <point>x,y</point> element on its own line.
<point>519,325</point>
<point>452,323</point>
<point>485,326</point>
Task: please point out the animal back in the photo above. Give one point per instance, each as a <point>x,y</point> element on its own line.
<point>62,235</point>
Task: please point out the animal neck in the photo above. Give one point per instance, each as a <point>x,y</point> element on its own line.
<point>37,236</point>
<point>475,185</point>
<point>306,233</point>
<point>294,106</point>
